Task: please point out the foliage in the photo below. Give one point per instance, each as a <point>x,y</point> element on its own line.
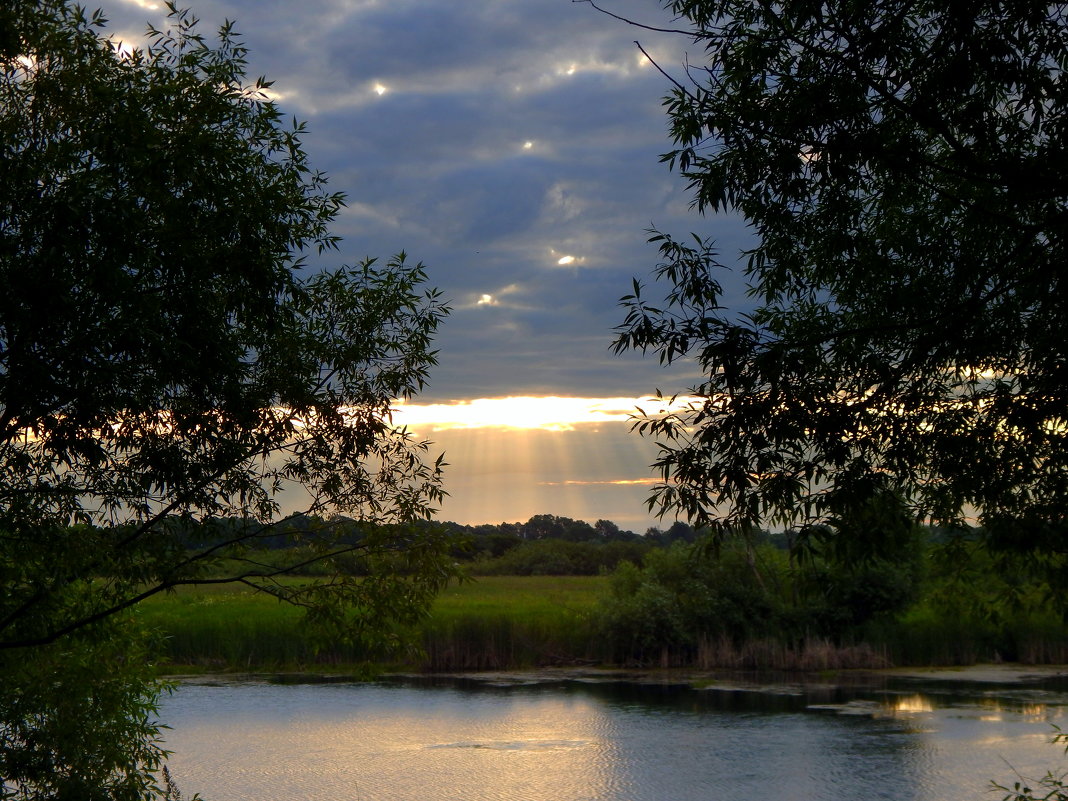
<point>555,557</point>
<point>901,167</point>
<point>168,359</point>
<point>78,719</point>
<point>681,596</point>
<point>1051,787</point>
<point>184,378</point>
<point>501,622</point>
<point>741,593</point>
<point>933,608</point>
<point>976,605</point>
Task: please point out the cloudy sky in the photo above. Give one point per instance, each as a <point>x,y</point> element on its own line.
<point>512,146</point>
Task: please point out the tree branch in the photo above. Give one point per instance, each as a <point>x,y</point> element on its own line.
<point>608,13</point>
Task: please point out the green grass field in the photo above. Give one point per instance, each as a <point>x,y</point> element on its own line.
<point>492,622</point>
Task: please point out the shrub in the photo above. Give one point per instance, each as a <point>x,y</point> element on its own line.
<point>686,595</point>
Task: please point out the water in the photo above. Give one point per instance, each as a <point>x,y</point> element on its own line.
<point>579,741</point>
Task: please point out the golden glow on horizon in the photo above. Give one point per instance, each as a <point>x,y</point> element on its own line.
<point>512,458</point>
<point>551,413</point>
<point>622,482</point>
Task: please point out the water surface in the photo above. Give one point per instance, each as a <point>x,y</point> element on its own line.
<point>609,741</point>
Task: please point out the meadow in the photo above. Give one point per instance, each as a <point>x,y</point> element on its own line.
<point>492,622</point>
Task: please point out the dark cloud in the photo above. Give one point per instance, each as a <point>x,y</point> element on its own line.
<point>507,136</point>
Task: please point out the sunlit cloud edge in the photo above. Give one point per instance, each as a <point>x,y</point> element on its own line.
<point>547,413</point>
<point>619,482</point>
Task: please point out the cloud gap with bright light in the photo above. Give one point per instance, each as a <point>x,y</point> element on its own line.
<point>550,413</point>
<point>510,458</point>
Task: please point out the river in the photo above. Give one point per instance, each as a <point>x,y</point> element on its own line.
<point>607,740</point>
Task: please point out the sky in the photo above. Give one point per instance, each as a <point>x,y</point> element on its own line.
<point>512,146</point>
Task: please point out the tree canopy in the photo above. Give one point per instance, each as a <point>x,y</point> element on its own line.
<point>902,166</point>
<point>168,359</point>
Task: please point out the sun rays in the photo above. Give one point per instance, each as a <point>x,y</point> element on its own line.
<point>514,457</point>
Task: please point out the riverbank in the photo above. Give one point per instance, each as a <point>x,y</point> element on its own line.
<point>765,681</point>
<point>991,673</point>
<point>508,623</point>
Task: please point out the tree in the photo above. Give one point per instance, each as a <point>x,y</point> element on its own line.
<point>168,361</point>
<point>607,530</point>
<point>543,527</point>
<point>903,168</point>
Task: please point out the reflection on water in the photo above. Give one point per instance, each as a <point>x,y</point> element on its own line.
<point>332,742</point>
<point>523,745</point>
<point>606,741</point>
<point>910,705</point>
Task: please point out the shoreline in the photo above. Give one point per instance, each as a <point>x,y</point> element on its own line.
<point>996,673</point>
<point>1000,673</point>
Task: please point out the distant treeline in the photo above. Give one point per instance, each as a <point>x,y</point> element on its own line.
<point>549,545</point>
<point>545,545</point>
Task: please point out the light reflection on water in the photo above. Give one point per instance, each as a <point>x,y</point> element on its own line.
<point>609,742</point>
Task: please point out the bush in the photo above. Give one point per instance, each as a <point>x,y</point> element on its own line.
<point>686,595</point>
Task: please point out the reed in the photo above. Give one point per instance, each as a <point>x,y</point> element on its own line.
<point>226,629</point>
<point>811,654</point>
<point>496,622</point>
<point>512,621</point>
<point>480,641</point>
<point>927,636</point>
<point>505,622</point>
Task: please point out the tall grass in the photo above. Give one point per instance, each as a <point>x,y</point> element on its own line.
<point>928,635</point>
<point>503,622</point>
<point>810,654</point>
<point>496,622</point>
<point>227,629</point>
<point>512,621</point>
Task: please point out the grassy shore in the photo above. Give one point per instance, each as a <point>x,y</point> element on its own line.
<point>494,622</point>
<point>516,622</point>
